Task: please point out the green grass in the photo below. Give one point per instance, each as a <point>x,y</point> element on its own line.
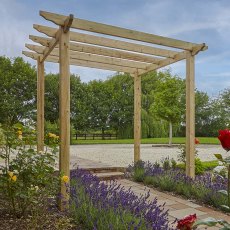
<point>176,140</point>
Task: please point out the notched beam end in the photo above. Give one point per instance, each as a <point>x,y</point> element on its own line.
<point>68,22</point>
<point>198,48</point>
<point>30,54</point>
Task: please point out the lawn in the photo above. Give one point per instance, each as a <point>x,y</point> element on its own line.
<point>176,140</point>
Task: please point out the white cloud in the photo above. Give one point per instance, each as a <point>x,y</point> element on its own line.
<point>166,18</point>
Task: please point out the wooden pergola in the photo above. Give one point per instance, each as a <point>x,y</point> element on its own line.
<point>103,52</point>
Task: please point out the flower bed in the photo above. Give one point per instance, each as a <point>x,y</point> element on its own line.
<point>96,205</point>
<point>204,188</point>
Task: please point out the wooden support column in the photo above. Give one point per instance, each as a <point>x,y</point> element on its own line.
<point>64,115</point>
<point>190,115</point>
<point>137,117</point>
<point>40,105</point>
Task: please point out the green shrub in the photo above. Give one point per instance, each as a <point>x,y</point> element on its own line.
<point>166,183</point>
<point>173,163</point>
<point>152,180</point>
<point>166,163</point>
<point>209,165</point>
<point>183,189</point>
<point>139,174</point>
<point>199,168</point>
<point>27,181</point>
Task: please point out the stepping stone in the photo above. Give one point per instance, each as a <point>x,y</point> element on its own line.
<point>109,175</point>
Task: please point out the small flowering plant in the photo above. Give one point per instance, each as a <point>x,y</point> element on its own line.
<point>27,178</point>
<point>190,223</point>
<point>224,137</point>
<point>187,222</point>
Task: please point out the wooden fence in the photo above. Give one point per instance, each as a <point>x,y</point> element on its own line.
<point>93,136</point>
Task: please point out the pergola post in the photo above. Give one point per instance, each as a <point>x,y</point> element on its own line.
<point>40,105</point>
<point>190,115</point>
<point>64,115</point>
<point>137,117</point>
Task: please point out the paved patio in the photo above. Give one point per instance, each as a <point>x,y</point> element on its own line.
<point>178,207</point>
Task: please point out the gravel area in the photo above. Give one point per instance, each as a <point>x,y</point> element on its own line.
<point>122,154</point>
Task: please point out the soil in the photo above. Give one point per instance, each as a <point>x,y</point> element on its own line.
<point>51,221</point>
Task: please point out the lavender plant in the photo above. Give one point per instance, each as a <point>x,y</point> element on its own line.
<point>204,188</point>
<point>97,205</point>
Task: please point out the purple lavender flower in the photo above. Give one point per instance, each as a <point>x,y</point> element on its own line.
<point>105,205</point>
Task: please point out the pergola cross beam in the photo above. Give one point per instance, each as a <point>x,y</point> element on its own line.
<point>85,48</point>
<point>108,42</point>
<point>92,57</point>
<point>135,56</point>
<point>118,31</point>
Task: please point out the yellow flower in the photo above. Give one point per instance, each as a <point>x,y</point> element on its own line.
<point>14,178</point>
<point>51,135</point>
<point>19,132</point>
<point>65,179</point>
<point>20,137</point>
<point>10,174</point>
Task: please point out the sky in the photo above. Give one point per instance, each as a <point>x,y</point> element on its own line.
<point>206,21</point>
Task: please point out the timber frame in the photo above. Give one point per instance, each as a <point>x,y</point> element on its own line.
<point>60,45</point>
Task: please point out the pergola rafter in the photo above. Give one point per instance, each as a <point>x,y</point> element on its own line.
<point>111,53</point>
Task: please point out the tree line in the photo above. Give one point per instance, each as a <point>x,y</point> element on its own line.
<point>107,106</point>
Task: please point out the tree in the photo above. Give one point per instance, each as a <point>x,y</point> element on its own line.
<point>225,103</point>
<point>18,90</point>
<point>100,104</point>
<point>202,112</point>
<point>168,100</point>
<point>79,104</point>
<point>52,98</point>
<point>121,117</point>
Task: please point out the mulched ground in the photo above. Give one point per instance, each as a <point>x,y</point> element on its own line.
<point>53,220</point>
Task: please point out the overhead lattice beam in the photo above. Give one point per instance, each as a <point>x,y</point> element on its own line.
<point>91,57</point>
<point>120,32</point>
<point>100,50</point>
<point>108,42</point>
<point>84,63</point>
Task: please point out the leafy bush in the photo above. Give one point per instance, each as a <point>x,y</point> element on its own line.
<point>96,205</point>
<point>199,168</point>
<point>166,163</point>
<point>139,174</point>
<point>27,180</point>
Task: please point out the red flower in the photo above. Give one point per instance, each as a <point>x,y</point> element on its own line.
<point>224,137</point>
<point>187,222</point>
<point>197,141</point>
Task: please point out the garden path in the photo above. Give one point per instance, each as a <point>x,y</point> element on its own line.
<point>178,207</point>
